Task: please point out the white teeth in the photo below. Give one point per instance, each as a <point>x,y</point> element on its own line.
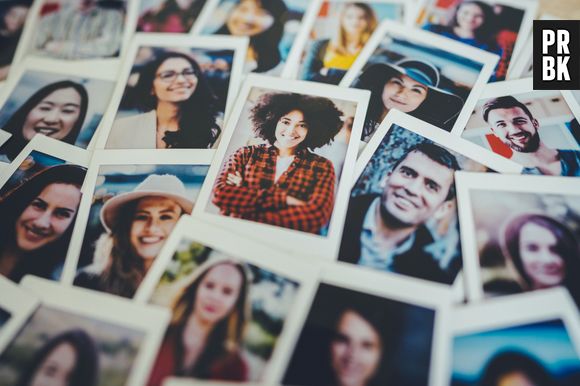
<point>150,239</point>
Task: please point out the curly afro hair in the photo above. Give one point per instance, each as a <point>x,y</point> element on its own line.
<point>322,117</point>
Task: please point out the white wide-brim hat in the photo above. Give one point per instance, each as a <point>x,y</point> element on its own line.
<point>155,185</point>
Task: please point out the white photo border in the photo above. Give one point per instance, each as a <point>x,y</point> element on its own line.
<point>20,304</point>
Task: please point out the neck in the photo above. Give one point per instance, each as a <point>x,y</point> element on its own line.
<point>286,152</point>
<point>391,236</point>
<point>464,33</point>
<point>167,114</point>
<point>194,340</point>
<point>536,158</point>
<point>8,259</point>
<point>353,40</point>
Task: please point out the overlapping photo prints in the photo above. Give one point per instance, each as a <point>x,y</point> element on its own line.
<point>536,129</point>
<point>271,27</point>
<point>419,73</point>
<point>169,16</point>
<point>64,103</point>
<point>521,234</point>
<point>285,163</point>
<point>16,305</point>
<point>529,341</point>
<point>324,52</point>
<point>127,215</point>
<point>40,194</point>
<point>260,293</point>
<point>77,342</point>
<point>367,329</point>
<point>175,93</point>
<point>402,211</point>
<point>500,27</point>
<point>13,15</point>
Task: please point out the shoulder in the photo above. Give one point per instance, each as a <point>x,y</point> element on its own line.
<point>317,160</point>
<point>231,367</point>
<point>124,131</point>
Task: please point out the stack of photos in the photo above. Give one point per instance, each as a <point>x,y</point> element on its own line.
<point>285,193</point>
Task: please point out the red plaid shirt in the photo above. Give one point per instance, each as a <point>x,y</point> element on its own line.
<point>309,178</point>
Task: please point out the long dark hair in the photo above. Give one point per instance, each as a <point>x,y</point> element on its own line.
<point>45,260</point>
<point>227,333</point>
<point>170,8</point>
<point>485,31</point>
<point>265,44</point>
<point>14,125</point>
<point>197,115</point>
<point>86,369</point>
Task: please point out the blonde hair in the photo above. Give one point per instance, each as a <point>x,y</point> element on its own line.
<point>338,43</point>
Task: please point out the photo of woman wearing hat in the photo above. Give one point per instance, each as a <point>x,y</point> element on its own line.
<point>37,220</point>
<point>327,60</point>
<point>178,109</point>
<point>204,337</point>
<point>282,182</point>
<point>57,110</point>
<point>263,22</point>
<point>410,86</point>
<point>137,224</point>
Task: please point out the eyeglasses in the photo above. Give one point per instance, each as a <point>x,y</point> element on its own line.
<point>170,76</point>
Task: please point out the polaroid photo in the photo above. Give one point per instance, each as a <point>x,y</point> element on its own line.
<point>271,26</point>
<point>170,16</point>
<point>534,128</point>
<point>401,328</point>
<point>64,102</point>
<point>401,216</point>
<point>499,27</point>
<point>321,54</point>
<point>420,73</point>
<point>573,99</point>
<point>84,32</point>
<point>174,92</point>
<point>16,305</point>
<point>173,381</point>
<point>533,340</point>
<point>519,234</point>
<point>12,18</point>
<point>39,201</point>
<point>261,294</point>
<point>4,135</point>
<point>86,338</point>
<point>284,166</point>
<point>133,200</point>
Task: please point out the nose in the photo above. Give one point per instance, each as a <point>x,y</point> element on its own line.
<point>43,221</point>
<point>51,116</point>
<point>413,187</point>
<point>153,225</point>
<point>550,258</point>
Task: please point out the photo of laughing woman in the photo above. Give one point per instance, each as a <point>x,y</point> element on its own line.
<point>282,182</point>
<point>178,109</point>
<point>57,110</point>
<point>37,221</point>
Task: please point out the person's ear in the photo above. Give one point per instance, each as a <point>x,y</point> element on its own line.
<point>444,209</point>
<point>535,123</point>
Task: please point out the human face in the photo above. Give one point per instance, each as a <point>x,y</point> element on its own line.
<point>291,130</point>
<point>15,17</point>
<point>153,221</point>
<point>175,81</point>
<point>248,18</point>
<point>47,216</point>
<point>403,93</point>
<point>416,189</point>
<point>57,367</point>
<point>515,378</point>
<point>354,21</point>
<point>540,257</point>
<point>515,128</point>
<point>217,293</point>
<point>355,351</point>
<point>54,116</point>
<point>470,17</point>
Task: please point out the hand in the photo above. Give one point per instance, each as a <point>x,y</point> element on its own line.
<point>234,179</point>
<point>294,201</point>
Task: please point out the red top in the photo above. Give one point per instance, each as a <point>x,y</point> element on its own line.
<point>309,178</point>
<point>231,367</point>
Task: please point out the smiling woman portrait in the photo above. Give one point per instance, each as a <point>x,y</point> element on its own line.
<point>178,108</point>
<point>282,182</point>
<point>208,322</point>
<point>37,221</point>
<point>57,110</point>
<point>137,224</point>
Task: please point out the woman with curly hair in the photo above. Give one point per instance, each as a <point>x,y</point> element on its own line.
<point>179,109</point>
<point>209,317</point>
<point>282,182</point>
<point>137,224</point>
<point>70,358</point>
<point>327,60</point>
<point>57,110</point>
<point>263,22</point>
<point>175,16</point>
<point>36,222</point>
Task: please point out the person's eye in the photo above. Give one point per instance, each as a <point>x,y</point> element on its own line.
<point>532,247</point>
<point>227,291</point>
<point>167,75</point>
<point>209,285</point>
<point>69,111</point>
<point>396,81</point>
<point>432,186</point>
<point>520,121</point>
<point>368,345</point>
<point>418,90</point>
<point>167,217</point>
<point>188,72</point>
<point>285,121</point>
<point>407,172</point>
<point>500,125</point>
<point>62,214</point>
<point>44,108</point>
<point>38,204</point>
<point>141,217</point>
<point>303,125</point>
